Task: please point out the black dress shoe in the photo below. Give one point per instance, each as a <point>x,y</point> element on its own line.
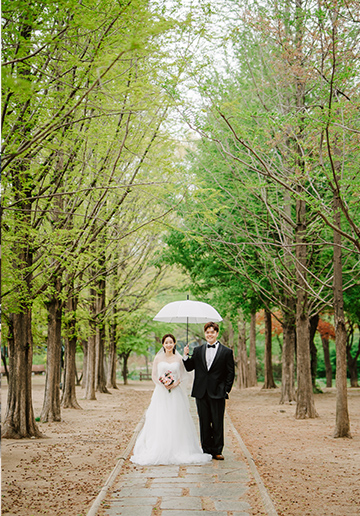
<point>218,457</point>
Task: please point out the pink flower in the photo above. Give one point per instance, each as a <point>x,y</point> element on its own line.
<point>167,379</point>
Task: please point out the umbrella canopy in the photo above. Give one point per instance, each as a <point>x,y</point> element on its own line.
<point>188,311</point>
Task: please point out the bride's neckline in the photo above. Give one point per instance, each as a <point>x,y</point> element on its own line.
<point>169,361</point>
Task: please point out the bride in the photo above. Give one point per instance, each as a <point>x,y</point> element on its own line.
<point>168,435</point>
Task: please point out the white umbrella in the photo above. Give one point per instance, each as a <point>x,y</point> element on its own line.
<point>188,311</point>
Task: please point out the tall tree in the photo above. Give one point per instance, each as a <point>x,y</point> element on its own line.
<point>19,418</point>
<point>106,80</point>
<point>269,382</point>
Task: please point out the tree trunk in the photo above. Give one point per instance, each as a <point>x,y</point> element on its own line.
<point>342,425</point>
<point>19,418</point>
<point>111,376</point>
<point>269,382</point>
<point>288,393</point>
<point>51,407</point>
<point>231,336</point>
<point>328,368</point>
<point>125,371</point>
<point>305,407</point>
<point>352,366</point>
<point>3,358</point>
<point>100,382</point>
<point>69,391</point>
<point>288,357</point>
<point>91,362</point>
<point>314,320</point>
<point>84,370</point>
<point>352,361</point>
<point>91,351</point>
<point>252,352</point>
<point>242,358</point>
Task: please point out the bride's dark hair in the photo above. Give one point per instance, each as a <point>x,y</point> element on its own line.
<point>171,337</point>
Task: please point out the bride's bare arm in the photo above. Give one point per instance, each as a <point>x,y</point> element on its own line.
<point>154,374</point>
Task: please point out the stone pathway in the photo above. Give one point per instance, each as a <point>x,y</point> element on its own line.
<point>216,488</point>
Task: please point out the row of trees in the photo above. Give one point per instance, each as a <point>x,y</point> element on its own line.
<point>266,205</point>
<point>273,219</point>
<point>88,170</point>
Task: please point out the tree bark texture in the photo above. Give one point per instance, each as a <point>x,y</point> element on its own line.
<point>91,351</point>
<point>111,373</point>
<point>342,424</point>
<point>352,360</point>
<point>242,358</point>
<point>288,393</point>
<point>125,371</point>
<point>269,382</point>
<point>314,320</point>
<point>19,418</point>
<point>252,352</point>
<point>100,381</point>
<point>90,365</point>
<point>328,368</point>
<point>352,366</point>
<point>288,359</point>
<point>3,358</point>
<point>100,378</point>
<point>85,355</point>
<point>51,410</point>
<point>305,407</point>
<point>69,391</point>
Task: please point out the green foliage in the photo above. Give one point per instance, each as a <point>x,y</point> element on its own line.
<point>87,165</point>
<point>133,334</point>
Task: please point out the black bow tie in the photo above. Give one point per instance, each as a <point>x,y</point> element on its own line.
<point>211,345</point>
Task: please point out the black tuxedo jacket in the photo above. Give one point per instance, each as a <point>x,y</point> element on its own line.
<point>218,380</point>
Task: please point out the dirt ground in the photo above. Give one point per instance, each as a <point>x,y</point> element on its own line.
<point>305,471</point>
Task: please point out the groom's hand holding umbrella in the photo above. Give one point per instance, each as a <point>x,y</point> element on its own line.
<point>186,350</point>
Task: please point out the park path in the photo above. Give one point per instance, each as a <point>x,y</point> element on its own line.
<point>217,488</point>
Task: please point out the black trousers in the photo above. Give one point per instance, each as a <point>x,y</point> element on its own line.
<point>211,418</point>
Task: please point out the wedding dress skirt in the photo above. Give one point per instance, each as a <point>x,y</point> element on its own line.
<point>168,435</point>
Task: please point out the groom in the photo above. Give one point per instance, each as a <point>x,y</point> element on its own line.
<point>214,375</point>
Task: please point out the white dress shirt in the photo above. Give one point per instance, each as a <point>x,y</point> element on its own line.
<point>210,354</point>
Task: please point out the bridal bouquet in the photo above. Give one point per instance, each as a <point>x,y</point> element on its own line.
<point>167,379</point>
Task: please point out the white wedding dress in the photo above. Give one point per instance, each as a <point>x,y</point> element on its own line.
<point>168,435</point>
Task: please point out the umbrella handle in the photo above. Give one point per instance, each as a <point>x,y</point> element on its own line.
<point>187,325</point>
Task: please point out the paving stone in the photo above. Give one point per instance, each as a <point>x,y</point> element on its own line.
<point>227,464</point>
<point>204,469</point>
<point>147,491</point>
<point>163,471</point>
<point>129,511</point>
<point>240,475</point>
<point>218,491</point>
<point>181,482</point>
<point>207,479</point>
<point>165,491</point>
<point>231,505</point>
<point>184,503</point>
<point>222,482</point>
<point>169,512</point>
<point>141,501</point>
<point>131,482</point>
